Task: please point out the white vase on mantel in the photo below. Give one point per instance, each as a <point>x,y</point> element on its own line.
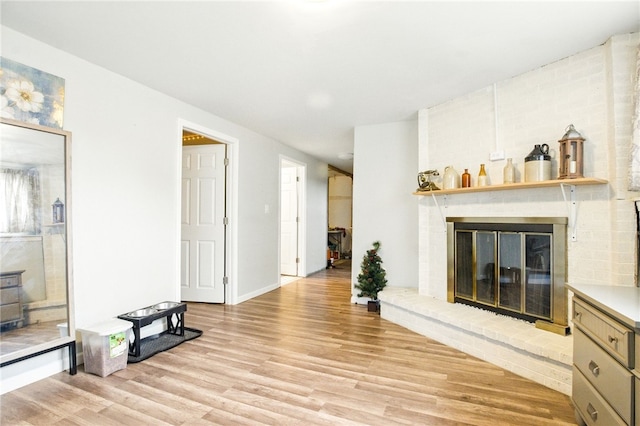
<point>509,172</point>
<point>451,178</point>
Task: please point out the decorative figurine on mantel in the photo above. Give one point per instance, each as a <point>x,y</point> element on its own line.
<point>424,180</point>
<point>571,150</point>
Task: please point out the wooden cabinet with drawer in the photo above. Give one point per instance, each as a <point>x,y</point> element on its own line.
<point>11,299</point>
<point>606,383</point>
<point>612,381</point>
<point>610,334</point>
<point>637,396</point>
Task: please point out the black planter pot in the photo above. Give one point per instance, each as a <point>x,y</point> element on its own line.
<point>373,306</point>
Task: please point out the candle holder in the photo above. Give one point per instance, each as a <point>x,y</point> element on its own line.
<point>58,211</point>
<point>571,154</point>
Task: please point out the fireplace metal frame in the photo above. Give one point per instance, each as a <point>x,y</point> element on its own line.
<point>559,306</point>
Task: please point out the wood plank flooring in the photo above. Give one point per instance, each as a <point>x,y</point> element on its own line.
<point>299,355</point>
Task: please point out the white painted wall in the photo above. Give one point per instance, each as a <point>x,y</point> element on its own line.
<point>385,170</point>
<point>125,188</point>
<point>315,204</point>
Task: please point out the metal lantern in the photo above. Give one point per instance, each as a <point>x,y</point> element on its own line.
<point>571,154</point>
<point>58,211</point>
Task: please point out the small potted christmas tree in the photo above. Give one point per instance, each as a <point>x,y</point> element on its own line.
<point>371,279</point>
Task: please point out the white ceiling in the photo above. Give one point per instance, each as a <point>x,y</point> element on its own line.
<point>307,72</point>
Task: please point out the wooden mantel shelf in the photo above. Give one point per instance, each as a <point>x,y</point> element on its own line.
<point>519,185</point>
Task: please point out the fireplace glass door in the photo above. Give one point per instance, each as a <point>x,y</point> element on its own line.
<point>486,267</point>
<point>464,264</point>
<point>509,271</point>
<point>538,276</point>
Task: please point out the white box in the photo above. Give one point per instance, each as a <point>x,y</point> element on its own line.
<point>105,346</point>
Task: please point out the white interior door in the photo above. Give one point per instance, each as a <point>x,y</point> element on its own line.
<point>203,235</point>
<point>289,219</point>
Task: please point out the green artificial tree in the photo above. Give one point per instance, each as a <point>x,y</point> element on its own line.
<point>371,279</point>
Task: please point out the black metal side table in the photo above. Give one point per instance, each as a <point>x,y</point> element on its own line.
<point>172,311</point>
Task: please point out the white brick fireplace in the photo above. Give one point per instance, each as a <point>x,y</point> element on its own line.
<point>589,90</point>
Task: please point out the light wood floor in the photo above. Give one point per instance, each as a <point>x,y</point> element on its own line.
<point>299,355</point>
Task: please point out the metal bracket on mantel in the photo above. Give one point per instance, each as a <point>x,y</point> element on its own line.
<point>444,221</point>
<point>572,207</point>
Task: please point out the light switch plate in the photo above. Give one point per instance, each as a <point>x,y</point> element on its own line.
<point>496,155</point>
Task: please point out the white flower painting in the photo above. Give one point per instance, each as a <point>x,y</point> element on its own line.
<point>30,95</point>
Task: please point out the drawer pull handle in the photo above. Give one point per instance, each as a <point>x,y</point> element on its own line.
<point>592,412</point>
<point>612,339</point>
<point>595,369</point>
<point>577,315</point>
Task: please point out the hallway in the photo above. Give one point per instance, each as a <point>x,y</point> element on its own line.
<point>298,355</point>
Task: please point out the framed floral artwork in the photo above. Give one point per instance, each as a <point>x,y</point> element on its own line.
<point>30,95</point>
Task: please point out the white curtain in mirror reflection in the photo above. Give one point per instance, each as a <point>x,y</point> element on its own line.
<point>20,204</point>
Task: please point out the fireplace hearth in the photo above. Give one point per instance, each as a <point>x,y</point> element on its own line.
<point>511,266</point>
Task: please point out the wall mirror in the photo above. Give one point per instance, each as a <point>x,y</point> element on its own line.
<point>36,306</point>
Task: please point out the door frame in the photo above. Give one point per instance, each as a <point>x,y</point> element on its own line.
<point>302,214</point>
<point>231,200</point>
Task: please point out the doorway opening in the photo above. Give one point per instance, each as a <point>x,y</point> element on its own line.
<point>292,220</point>
<point>205,239</point>
<point>340,216</point>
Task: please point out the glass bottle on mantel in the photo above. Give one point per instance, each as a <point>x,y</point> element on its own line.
<point>466,179</point>
<point>509,173</point>
<point>482,176</point>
